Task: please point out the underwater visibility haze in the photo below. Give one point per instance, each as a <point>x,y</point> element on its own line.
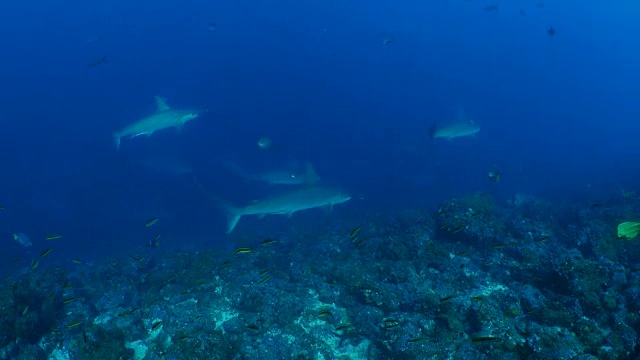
<point>319,180</point>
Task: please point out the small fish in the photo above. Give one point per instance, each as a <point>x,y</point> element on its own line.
<point>415,340</point>
<point>264,280</point>
<point>242,250</point>
<point>457,229</point>
<point>25,311</point>
<point>485,339</point>
<point>172,278</point>
<point>156,237</point>
<point>155,325</point>
<point>498,245</point>
<point>551,31</point>
<point>53,237</point>
<point>68,300</point>
<point>342,327</point>
<point>34,263</point>
<point>262,272</point>
<point>73,324</point>
<point>46,252</point>
<point>447,298</point>
<point>102,60</point>
<point>544,238</point>
<point>354,232</point>
<point>268,241</point>
<point>152,222</point>
<point>77,261</point>
<point>253,327</point>
<point>23,239</point>
<point>67,286</point>
<point>325,313</point>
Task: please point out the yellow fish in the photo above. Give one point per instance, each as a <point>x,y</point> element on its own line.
<point>628,230</point>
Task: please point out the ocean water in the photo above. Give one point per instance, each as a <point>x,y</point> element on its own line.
<point>392,242</point>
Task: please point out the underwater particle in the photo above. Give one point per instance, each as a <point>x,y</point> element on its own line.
<point>551,31</point>
<point>386,39</point>
<point>265,143</point>
<point>491,8</point>
<point>53,237</point>
<point>22,239</point>
<point>628,230</point>
<point>152,222</point>
<point>523,12</point>
<point>494,176</point>
<point>212,26</point>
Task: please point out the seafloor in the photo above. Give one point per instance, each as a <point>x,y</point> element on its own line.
<point>471,280</point>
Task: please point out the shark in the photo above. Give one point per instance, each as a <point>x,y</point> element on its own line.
<point>163,118</point>
<point>287,203</point>
<point>292,176</point>
<point>461,127</point>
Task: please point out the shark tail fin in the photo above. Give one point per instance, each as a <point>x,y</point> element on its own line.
<point>233,217</point>
<point>116,139</point>
<point>233,213</point>
<point>311,177</point>
<point>432,131</point>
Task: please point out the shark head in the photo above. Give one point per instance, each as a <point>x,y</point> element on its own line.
<point>339,198</point>
<point>190,115</point>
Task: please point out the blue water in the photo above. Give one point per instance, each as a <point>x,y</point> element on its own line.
<point>558,114</point>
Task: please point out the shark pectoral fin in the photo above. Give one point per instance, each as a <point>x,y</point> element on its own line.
<point>116,139</point>
<point>233,219</point>
<point>161,105</point>
<point>311,177</point>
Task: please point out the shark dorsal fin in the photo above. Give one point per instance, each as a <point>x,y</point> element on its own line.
<point>161,105</point>
<point>311,177</point>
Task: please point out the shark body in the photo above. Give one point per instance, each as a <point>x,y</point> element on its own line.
<point>287,203</point>
<point>291,176</point>
<point>461,127</point>
<point>163,118</point>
